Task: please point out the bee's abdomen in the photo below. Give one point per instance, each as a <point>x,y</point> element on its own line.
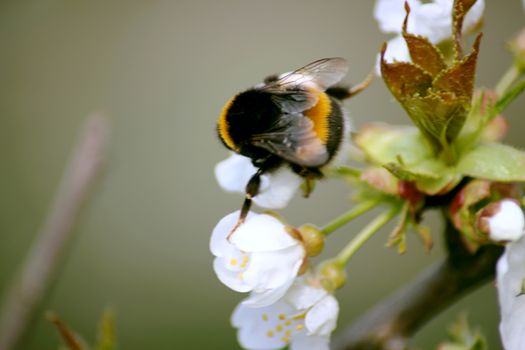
<point>336,121</point>
<point>249,113</point>
<point>328,120</point>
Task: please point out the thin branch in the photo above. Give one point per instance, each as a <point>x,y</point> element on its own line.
<point>37,274</point>
<point>389,324</point>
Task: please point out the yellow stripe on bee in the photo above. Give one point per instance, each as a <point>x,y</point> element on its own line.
<point>224,127</point>
<point>319,115</point>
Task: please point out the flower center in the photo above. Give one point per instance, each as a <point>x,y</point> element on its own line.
<point>284,326</point>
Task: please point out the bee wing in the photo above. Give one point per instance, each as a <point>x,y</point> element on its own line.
<point>323,73</point>
<point>294,92</point>
<point>294,139</point>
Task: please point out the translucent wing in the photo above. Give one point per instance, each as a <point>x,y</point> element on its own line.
<point>323,73</point>
<point>297,91</point>
<point>293,139</point>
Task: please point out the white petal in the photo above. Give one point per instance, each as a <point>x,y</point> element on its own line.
<point>257,339</point>
<point>474,15</point>
<point>219,245</point>
<point>302,296</point>
<point>391,13</point>
<point>508,224</point>
<point>244,315</point>
<point>304,342</point>
<point>254,324</point>
<point>510,275</point>
<point>277,189</point>
<point>272,274</point>
<point>270,270</point>
<point>396,50</point>
<point>434,20</point>
<point>267,297</point>
<point>322,318</point>
<point>230,278</point>
<point>262,232</point>
<point>233,173</point>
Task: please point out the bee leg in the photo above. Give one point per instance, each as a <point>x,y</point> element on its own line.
<point>308,186</point>
<point>252,189</point>
<point>344,92</point>
<point>354,90</point>
<point>309,175</point>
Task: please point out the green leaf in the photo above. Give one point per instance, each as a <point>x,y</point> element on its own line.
<point>442,114</point>
<point>407,155</point>
<point>384,144</point>
<point>493,161</point>
<point>438,186</point>
<point>398,236</point>
<point>462,337</point>
<point>106,336</point>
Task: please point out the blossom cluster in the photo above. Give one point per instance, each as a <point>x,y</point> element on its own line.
<point>286,305</point>
<point>451,156</point>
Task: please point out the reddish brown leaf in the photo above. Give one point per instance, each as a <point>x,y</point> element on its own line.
<point>404,79</point>
<point>459,79</point>
<point>422,52</point>
<point>460,9</point>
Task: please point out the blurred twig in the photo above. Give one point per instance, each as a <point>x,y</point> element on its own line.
<point>36,276</point>
<point>389,324</point>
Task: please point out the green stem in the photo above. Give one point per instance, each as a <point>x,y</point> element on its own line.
<point>506,81</point>
<point>366,233</point>
<point>348,216</point>
<point>347,171</point>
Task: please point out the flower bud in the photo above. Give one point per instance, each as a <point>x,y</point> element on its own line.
<point>332,275</point>
<point>502,221</point>
<point>312,238</point>
<point>517,47</point>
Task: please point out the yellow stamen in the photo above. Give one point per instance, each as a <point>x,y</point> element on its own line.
<point>233,262</point>
<point>299,327</point>
<point>282,317</point>
<point>265,317</point>
<point>269,333</point>
<point>279,327</point>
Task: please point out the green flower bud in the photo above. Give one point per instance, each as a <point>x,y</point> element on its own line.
<point>312,238</point>
<point>332,275</point>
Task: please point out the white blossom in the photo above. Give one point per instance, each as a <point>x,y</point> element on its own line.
<point>430,19</point>
<point>260,257</point>
<point>503,220</point>
<point>303,319</point>
<point>510,280</point>
<point>276,189</point>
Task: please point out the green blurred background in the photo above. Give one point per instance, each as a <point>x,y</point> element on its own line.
<point>163,70</point>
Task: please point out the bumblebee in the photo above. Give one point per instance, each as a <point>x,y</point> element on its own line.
<point>295,119</point>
